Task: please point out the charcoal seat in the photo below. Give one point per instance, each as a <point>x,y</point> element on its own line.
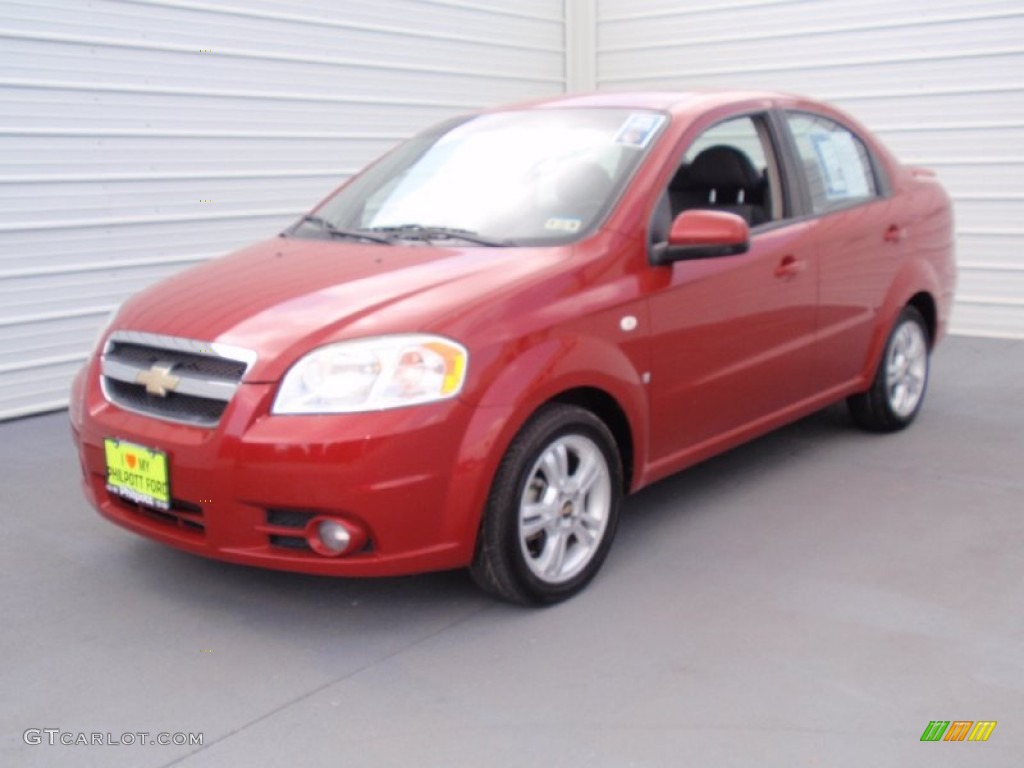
<point>721,178</point>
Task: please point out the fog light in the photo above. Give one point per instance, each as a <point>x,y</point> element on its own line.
<point>333,536</point>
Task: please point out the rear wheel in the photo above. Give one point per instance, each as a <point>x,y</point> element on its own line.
<point>553,508</point>
<point>898,389</point>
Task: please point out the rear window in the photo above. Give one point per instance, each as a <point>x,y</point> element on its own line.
<point>835,163</point>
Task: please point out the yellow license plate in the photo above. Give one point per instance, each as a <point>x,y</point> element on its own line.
<point>137,473</point>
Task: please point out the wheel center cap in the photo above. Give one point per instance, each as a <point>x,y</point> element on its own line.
<point>567,509</point>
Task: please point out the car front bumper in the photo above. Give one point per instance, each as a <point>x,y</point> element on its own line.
<point>250,490</point>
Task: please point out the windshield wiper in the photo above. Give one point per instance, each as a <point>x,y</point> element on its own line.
<point>355,234</point>
<point>426,234</point>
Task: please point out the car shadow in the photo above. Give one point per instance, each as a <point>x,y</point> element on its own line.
<point>262,595</point>
<point>645,511</point>
<point>183,576</point>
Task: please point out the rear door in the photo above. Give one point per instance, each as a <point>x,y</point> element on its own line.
<point>860,238</point>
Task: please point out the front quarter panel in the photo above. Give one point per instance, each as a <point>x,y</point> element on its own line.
<point>546,370</point>
<point>587,328</point>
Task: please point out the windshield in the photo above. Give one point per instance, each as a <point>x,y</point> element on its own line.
<point>532,177</point>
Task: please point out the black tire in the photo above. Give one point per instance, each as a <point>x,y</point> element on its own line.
<point>901,380</point>
<point>514,561</point>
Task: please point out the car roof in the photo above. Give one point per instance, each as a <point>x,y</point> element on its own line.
<point>689,104</point>
<point>669,101</point>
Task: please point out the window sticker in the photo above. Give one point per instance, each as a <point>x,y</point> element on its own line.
<point>841,165</point>
<point>638,129</point>
<point>563,224</point>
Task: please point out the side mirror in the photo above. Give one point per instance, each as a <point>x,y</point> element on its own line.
<point>703,234</point>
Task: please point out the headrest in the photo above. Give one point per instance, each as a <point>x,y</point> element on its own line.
<point>722,167</point>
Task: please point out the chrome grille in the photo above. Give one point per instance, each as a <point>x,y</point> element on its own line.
<point>204,365</point>
<point>171,378</point>
<point>192,410</point>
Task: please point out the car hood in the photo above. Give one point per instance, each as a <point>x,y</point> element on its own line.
<point>282,297</point>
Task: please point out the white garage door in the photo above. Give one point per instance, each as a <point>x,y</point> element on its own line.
<point>940,81</point>
<point>140,136</point>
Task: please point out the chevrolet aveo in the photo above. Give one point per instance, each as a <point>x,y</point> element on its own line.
<point>472,350</point>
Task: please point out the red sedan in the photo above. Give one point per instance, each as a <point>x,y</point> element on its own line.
<point>472,350</point>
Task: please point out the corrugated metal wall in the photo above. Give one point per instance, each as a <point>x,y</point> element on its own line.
<point>940,81</point>
<point>138,137</point>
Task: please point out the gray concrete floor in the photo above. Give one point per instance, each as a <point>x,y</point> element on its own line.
<point>812,599</point>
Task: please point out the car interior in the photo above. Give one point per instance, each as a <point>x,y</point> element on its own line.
<point>731,168</point>
<point>723,178</point>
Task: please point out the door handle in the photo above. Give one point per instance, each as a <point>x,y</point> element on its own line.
<point>790,266</point>
<point>894,234</point>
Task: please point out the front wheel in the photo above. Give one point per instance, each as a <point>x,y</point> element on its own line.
<point>897,392</point>
<point>553,508</point>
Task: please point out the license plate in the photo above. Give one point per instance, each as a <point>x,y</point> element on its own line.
<point>137,473</point>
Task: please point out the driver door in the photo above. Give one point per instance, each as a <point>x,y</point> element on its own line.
<point>732,337</point>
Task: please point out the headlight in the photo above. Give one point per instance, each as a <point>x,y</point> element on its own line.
<point>373,375</point>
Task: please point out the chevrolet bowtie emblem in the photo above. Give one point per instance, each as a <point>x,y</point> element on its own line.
<point>158,379</point>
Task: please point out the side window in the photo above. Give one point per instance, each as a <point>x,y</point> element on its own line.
<point>740,133</point>
<point>835,162</point>
<point>730,167</point>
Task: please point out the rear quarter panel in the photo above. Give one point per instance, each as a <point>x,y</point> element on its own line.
<point>933,237</point>
<point>930,263</point>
